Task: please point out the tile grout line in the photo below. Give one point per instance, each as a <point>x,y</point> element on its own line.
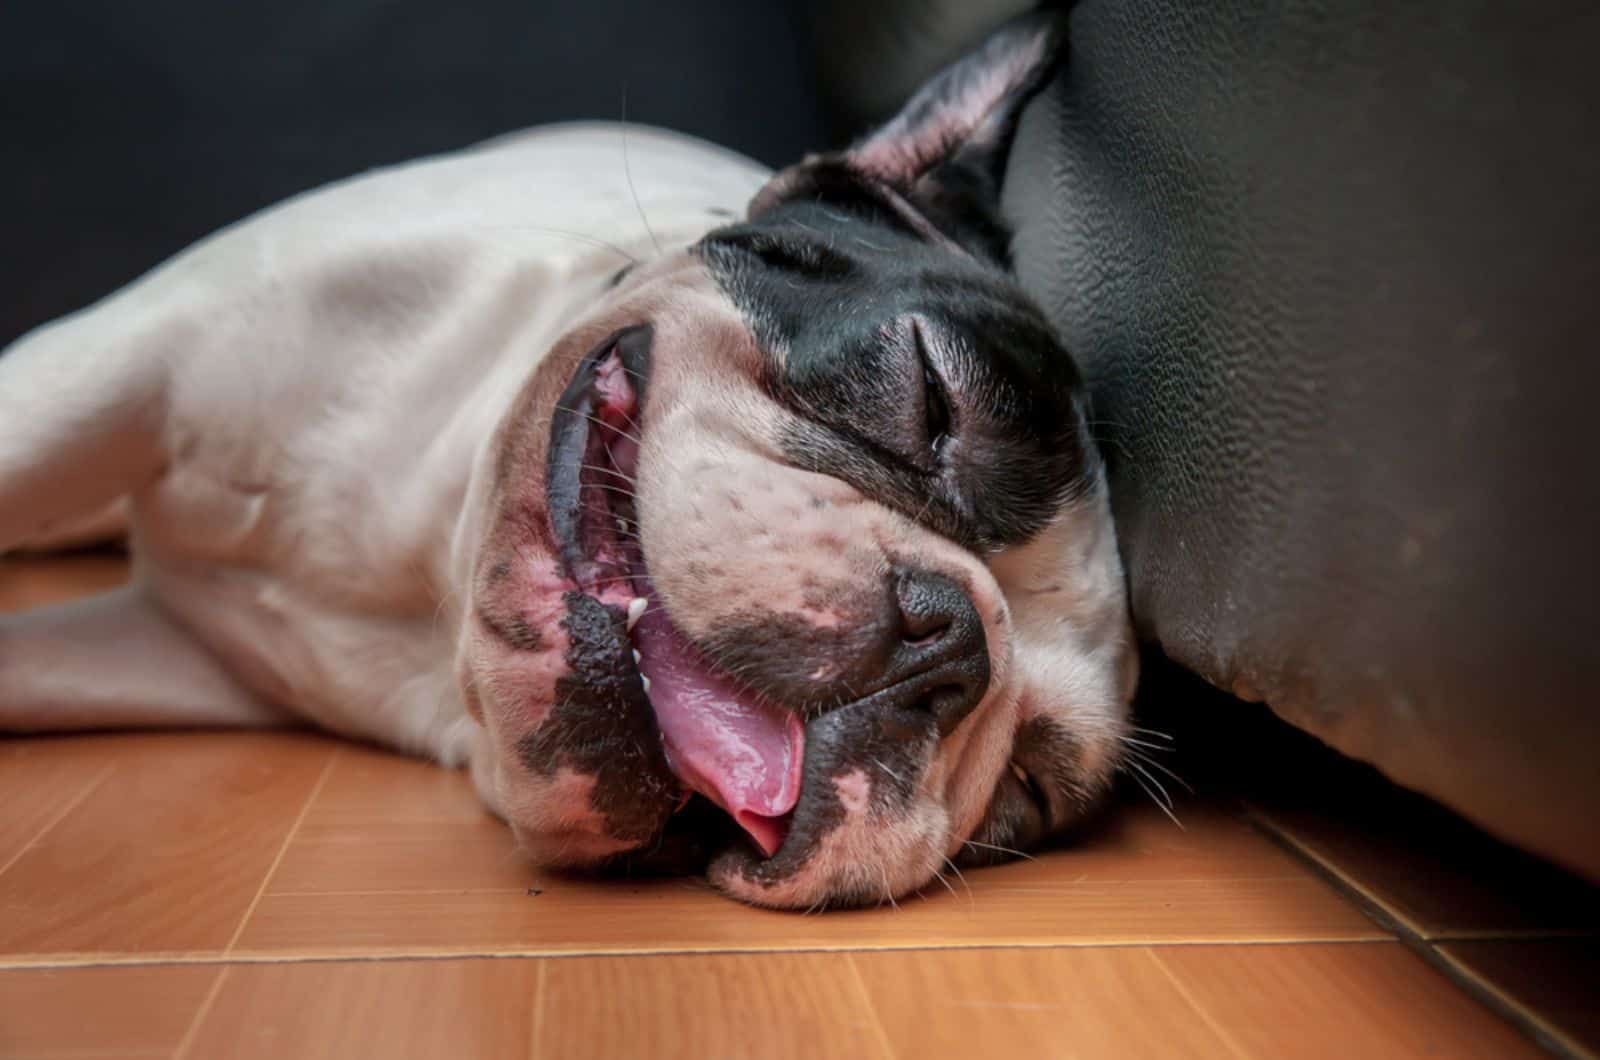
<point>1509,935</point>
<point>72,804</point>
<point>200,1013</point>
<point>186,959</point>
<point>1380,912</point>
<point>401,892</point>
<point>1548,1035</point>
<point>1522,1019</point>
<point>1204,1013</point>
<point>535,1048</point>
<point>204,1010</point>
<point>283,848</point>
<point>1416,939</point>
<point>872,1007</point>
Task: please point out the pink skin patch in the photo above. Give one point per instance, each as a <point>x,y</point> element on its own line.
<point>606,490</point>
<point>727,743</point>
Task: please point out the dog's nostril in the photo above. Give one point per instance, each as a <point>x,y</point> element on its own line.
<point>941,663</point>
<point>921,632</point>
<point>932,607</point>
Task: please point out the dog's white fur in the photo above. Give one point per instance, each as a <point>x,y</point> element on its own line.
<point>294,407</point>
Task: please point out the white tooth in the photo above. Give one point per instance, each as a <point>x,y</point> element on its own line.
<point>646,682</point>
<point>622,524</point>
<point>636,608</point>
<point>636,656</point>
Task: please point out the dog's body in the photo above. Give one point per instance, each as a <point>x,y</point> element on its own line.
<point>305,521</point>
<point>422,459</point>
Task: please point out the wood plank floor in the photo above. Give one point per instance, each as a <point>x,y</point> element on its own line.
<point>289,895</point>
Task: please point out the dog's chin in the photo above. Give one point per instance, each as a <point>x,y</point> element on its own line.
<point>860,862</point>
<point>840,852</point>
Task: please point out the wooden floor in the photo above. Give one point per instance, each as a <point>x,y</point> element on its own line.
<point>286,895</point>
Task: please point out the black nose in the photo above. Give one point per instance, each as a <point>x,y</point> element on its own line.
<point>939,661</point>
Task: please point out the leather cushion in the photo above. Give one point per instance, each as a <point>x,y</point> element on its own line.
<point>1331,269</point>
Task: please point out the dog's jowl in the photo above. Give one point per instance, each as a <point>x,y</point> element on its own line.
<point>776,549</point>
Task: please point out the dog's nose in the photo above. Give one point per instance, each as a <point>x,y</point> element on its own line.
<point>940,659</point>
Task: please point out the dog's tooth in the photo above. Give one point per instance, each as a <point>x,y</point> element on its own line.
<point>636,608</point>
<point>646,682</point>
<point>622,524</point>
<point>636,656</point>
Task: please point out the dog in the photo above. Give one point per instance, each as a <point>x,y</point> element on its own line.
<point>715,520</point>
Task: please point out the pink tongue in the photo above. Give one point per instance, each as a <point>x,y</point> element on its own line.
<point>743,754</point>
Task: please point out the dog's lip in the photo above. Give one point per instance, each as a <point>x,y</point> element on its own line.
<point>588,483</point>
<point>570,424</point>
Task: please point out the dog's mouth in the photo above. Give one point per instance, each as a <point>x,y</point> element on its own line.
<point>738,750</point>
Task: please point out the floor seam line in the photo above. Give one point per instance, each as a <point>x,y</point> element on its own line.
<point>541,977</point>
<point>58,817</point>
<point>294,829</point>
<point>437,892</point>
<point>872,1008</point>
<point>1413,938</point>
<point>532,953</point>
<point>1204,1013</point>
<point>1528,1019</point>
<point>1348,888</point>
<point>1522,1018</point>
<point>200,1013</point>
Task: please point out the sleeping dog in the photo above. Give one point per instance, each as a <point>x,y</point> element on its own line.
<point>716,520</point>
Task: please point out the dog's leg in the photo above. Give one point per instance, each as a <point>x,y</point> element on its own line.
<point>82,409</point>
<point>114,661</point>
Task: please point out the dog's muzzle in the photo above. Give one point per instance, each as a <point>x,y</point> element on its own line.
<point>917,667</point>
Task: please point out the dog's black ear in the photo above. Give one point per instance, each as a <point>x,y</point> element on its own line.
<point>937,164</point>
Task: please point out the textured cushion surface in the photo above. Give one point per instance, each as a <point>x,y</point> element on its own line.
<point>1331,268</point>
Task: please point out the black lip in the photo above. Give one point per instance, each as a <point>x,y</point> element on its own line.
<point>569,433</point>
<point>690,838</point>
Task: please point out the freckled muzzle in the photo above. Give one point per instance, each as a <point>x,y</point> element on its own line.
<point>917,663</point>
<point>734,748</point>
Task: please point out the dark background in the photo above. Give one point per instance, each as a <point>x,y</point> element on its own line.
<point>132,129</point>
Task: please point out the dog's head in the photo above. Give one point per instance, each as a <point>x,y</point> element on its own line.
<point>795,558</point>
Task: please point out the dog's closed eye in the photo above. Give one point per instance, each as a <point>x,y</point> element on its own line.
<point>776,250</point>
<point>938,420</point>
<point>1016,821</point>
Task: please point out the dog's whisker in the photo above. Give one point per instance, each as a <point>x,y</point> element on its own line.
<point>1144,781</point>
<point>615,579</point>
<point>1165,798</point>
<point>996,847</point>
<point>1153,764</point>
<point>888,892</point>
<point>972,899</point>
<point>879,763</point>
<point>609,512</point>
<point>592,418</point>
<point>611,488</point>
<point>627,172</point>
<point>638,428</point>
<point>602,469</point>
<point>581,237</point>
<point>1129,741</point>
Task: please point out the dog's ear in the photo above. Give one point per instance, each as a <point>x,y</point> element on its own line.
<point>937,164</point>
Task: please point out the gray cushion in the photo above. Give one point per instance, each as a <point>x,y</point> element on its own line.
<point>1331,269</point>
